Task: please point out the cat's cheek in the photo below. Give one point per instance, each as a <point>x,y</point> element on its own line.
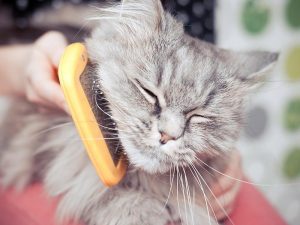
<point>153,139</point>
<point>154,136</point>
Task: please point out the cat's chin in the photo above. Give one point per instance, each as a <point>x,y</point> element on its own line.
<point>147,162</point>
<point>153,168</point>
<point>157,159</point>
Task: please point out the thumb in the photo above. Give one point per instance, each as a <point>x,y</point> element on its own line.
<point>53,44</point>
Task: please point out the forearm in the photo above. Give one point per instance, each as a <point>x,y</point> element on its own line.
<point>12,68</point>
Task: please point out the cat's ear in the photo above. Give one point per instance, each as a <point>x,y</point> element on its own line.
<point>152,16</point>
<point>135,17</point>
<point>152,9</point>
<point>254,67</point>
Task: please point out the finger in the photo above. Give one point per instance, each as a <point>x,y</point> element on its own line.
<point>53,44</point>
<point>41,80</point>
<point>32,96</point>
<point>42,64</point>
<point>223,214</point>
<point>226,185</point>
<point>233,174</point>
<point>53,93</point>
<point>43,110</point>
<point>222,204</point>
<point>48,92</point>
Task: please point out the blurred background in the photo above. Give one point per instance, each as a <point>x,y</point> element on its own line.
<point>270,142</point>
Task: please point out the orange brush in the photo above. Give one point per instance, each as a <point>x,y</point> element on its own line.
<point>71,68</point>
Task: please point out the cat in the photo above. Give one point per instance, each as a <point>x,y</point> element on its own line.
<point>177,105</point>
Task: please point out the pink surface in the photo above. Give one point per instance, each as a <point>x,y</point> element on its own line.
<point>30,207</point>
<point>251,208</point>
<point>33,207</point>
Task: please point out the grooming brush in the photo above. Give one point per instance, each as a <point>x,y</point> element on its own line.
<point>87,107</point>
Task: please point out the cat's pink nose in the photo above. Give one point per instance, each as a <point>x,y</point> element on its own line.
<point>164,137</point>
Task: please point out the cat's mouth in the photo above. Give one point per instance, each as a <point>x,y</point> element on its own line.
<point>153,159</point>
<point>163,165</point>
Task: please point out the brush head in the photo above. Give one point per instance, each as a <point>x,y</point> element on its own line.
<point>82,96</point>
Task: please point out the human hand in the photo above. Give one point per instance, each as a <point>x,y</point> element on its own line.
<point>41,81</point>
<point>226,188</point>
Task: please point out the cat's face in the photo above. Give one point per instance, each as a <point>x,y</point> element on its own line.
<point>172,97</point>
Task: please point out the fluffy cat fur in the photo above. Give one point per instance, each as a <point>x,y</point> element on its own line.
<point>156,79</point>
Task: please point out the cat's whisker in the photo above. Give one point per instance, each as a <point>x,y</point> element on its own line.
<point>98,106</point>
<point>117,107</point>
<point>214,177</point>
<point>52,128</point>
<point>74,38</point>
<point>117,148</point>
<point>194,201</point>
<point>110,133</point>
<point>104,138</point>
<point>120,110</point>
<point>247,182</point>
<point>109,128</point>
<point>92,139</point>
<point>171,184</point>
<point>120,22</point>
<point>188,196</point>
<point>71,123</point>
<point>130,22</point>
<point>196,176</point>
<point>204,195</point>
<point>218,202</point>
<point>125,11</point>
<point>177,194</point>
<point>184,198</point>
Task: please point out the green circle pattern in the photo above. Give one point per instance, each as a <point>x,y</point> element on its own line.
<point>291,165</point>
<point>255,16</point>
<point>292,115</point>
<point>293,13</point>
<point>292,63</point>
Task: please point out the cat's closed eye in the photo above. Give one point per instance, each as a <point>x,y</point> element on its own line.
<point>149,95</point>
<point>196,116</point>
<point>200,118</point>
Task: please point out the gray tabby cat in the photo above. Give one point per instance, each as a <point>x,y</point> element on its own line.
<point>177,104</point>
